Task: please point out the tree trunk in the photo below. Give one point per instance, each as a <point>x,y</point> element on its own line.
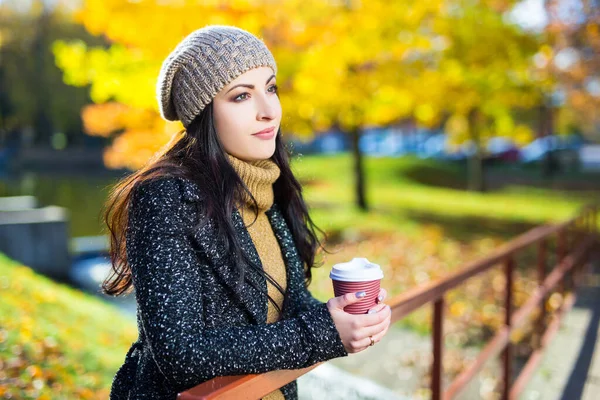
<point>549,162</point>
<point>359,175</point>
<point>476,172</point>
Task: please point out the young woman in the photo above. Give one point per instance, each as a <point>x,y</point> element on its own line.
<point>215,237</point>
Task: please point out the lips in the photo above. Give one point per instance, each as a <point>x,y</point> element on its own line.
<point>265,131</point>
<point>266,134</point>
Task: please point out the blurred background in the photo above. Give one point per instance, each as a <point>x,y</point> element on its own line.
<point>425,133</point>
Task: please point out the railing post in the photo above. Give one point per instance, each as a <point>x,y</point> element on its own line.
<point>588,234</point>
<point>507,354</point>
<point>560,254</point>
<point>541,272</point>
<point>578,236</point>
<point>572,241</point>
<point>438,345</point>
<point>581,269</point>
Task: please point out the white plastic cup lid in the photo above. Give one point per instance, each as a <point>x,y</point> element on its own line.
<point>357,270</point>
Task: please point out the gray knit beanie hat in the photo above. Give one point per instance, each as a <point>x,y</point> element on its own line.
<point>202,64</point>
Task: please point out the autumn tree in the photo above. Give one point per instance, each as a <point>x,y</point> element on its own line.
<point>347,64</point>
<point>359,72</point>
<point>340,64</point>
<point>571,58</point>
<point>481,76</point>
<point>32,93</point>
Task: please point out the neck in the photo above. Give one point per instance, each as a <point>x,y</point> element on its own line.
<point>258,176</point>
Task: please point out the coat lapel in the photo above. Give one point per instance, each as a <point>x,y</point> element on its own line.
<point>212,245</point>
<point>208,240</point>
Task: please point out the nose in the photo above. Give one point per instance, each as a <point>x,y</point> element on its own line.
<point>266,108</point>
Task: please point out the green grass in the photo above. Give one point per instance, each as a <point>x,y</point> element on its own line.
<point>56,342</point>
<point>399,199</point>
<point>423,225</point>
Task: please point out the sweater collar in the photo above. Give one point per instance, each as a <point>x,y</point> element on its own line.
<point>259,177</point>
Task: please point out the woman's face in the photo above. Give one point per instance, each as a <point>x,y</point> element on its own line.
<point>245,107</point>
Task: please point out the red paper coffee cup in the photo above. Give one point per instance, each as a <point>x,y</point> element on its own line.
<point>355,276</point>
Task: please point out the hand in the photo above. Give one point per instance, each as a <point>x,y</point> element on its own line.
<point>381,296</point>
<point>356,330</point>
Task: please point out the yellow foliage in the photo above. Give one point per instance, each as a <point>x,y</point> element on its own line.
<point>350,63</point>
<point>458,308</point>
<point>522,134</point>
<point>50,341</point>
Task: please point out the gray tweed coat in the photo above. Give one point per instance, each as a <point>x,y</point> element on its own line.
<point>193,326</point>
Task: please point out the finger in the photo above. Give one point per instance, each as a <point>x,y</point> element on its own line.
<point>377,336</point>
<point>380,335</point>
<point>347,299</point>
<point>364,320</point>
<point>361,349</point>
<point>371,330</point>
<point>382,295</point>
<point>361,345</point>
<point>376,309</point>
<point>359,339</point>
<point>366,343</point>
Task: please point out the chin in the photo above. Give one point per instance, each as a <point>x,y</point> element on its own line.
<point>266,153</point>
<point>258,155</point>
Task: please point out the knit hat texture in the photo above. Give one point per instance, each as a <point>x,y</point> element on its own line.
<point>202,64</point>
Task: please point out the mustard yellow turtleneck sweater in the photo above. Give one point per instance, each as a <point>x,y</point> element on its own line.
<point>259,177</point>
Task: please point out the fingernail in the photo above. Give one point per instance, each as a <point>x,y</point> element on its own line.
<point>380,297</point>
<point>361,294</point>
<point>372,311</point>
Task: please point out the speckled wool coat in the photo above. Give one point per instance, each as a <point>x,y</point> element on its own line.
<point>193,325</point>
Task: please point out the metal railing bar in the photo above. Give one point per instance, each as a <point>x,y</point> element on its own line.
<point>255,386</point>
<point>500,340</point>
<point>412,299</point>
<point>536,356</point>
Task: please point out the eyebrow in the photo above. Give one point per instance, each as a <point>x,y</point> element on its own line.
<point>246,85</point>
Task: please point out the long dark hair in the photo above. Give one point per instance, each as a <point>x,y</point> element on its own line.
<point>197,154</point>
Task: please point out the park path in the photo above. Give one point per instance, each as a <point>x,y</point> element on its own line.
<point>570,368</point>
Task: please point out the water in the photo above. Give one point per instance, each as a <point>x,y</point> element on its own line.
<point>83,195</point>
<point>88,275</point>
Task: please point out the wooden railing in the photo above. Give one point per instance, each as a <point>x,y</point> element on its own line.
<point>574,240</point>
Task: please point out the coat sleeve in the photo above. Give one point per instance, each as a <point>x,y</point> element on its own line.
<point>307,300</point>
<point>167,278</point>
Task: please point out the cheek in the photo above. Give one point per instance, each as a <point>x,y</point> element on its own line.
<point>229,124</point>
<point>277,106</point>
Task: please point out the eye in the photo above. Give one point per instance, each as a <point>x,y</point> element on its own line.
<point>241,97</point>
<point>273,88</point>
